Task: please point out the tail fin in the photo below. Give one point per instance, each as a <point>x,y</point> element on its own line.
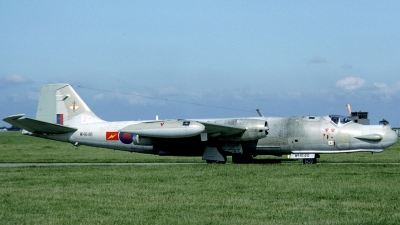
<point>60,104</point>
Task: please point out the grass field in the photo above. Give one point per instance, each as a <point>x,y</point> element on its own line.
<point>263,193</point>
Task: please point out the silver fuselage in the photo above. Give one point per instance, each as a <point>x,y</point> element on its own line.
<point>311,134</point>
<point>286,135</point>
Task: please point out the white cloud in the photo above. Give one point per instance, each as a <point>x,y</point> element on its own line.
<point>385,91</point>
<point>33,95</point>
<point>397,86</point>
<point>16,79</point>
<point>318,60</point>
<point>16,97</point>
<point>350,83</point>
<point>99,96</point>
<point>381,85</point>
<point>9,80</point>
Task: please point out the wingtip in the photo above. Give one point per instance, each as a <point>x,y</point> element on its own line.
<point>13,117</point>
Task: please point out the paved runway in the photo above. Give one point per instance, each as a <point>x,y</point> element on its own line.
<point>153,164</point>
<point>90,164</point>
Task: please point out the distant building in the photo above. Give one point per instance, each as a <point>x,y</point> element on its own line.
<point>12,128</point>
<point>360,117</point>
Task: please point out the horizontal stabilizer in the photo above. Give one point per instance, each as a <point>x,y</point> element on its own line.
<point>37,126</point>
<point>370,137</point>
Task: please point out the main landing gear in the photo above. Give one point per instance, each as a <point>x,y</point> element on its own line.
<point>217,161</point>
<point>311,160</point>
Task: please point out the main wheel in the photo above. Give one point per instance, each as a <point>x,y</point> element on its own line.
<point>310,161</point>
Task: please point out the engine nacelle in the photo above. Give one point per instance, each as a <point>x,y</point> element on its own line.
<point>143,140</point>
<point>255,129</point>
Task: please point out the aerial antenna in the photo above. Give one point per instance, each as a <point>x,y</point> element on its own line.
<point>259,112</point>
<point>348,108</point>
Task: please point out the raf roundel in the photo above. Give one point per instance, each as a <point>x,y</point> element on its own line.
<point>125,138</point>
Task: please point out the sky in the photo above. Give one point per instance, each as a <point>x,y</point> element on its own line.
<point>131,60</point>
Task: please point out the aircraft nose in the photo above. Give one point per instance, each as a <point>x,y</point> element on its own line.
<point>389,138</point>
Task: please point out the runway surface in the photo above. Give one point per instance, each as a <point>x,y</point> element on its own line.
<point>91,164</point>
<point>152,164</point>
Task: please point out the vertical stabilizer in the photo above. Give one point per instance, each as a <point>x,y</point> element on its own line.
<point>60,104</point>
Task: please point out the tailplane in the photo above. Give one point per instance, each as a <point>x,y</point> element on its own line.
<point>60,104</point>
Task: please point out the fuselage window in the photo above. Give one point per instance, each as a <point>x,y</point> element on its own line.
<point>340,119</point>
<point>335,119</point>
<point>345,120</point>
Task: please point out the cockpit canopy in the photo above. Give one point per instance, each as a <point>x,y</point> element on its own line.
<point>340,119</point>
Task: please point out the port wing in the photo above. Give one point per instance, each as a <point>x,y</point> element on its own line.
<point>37,126</point>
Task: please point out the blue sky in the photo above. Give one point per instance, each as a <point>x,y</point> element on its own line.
<point>133,60</point>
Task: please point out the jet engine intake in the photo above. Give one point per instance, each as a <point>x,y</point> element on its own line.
<point>255,129</point>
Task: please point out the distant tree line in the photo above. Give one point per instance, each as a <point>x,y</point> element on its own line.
<point>12,128</point>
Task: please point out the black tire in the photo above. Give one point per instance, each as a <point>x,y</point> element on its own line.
<point>309,161</point>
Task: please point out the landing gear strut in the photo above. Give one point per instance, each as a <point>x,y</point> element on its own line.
<point>216,161</point>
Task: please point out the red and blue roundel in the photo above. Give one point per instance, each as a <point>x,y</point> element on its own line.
<point>125,138</point>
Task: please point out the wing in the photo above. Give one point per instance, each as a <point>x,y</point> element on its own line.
<point>182,128</point>
<point>37,126</point>
<point>218,129</point>
<point>234,130</point>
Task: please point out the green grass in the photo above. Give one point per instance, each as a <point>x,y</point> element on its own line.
<point>285,193</point>
<point>17,148</point>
